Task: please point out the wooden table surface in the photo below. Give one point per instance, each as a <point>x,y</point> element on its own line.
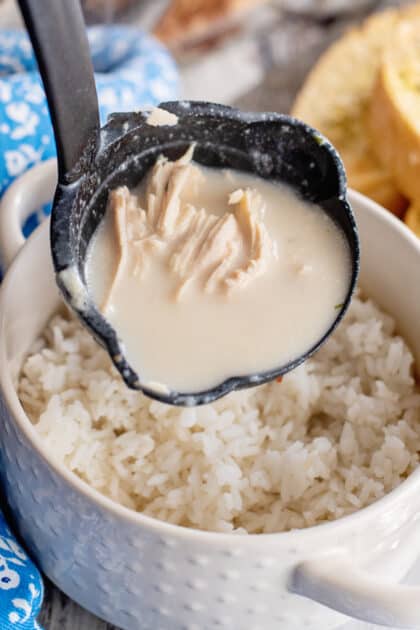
<point>269,65</point>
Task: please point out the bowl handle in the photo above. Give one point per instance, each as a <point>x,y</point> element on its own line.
<point>27,193</point>
<point>338,583</point>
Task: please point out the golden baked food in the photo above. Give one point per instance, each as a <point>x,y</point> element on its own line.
<point>412,217</point>
<point>395,107</point>
<point>335,99</point>
<point>188,21</point>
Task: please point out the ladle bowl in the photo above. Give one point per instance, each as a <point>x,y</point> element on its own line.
<point>272,146</point>
<point>93,161</point>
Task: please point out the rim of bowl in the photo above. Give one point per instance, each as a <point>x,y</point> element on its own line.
<point>23,423</point>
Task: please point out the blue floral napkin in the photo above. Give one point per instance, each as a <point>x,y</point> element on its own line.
<point>131,70</point>
<point>21,588</point>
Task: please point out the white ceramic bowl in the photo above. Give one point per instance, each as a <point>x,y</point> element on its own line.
<point>142,574</point>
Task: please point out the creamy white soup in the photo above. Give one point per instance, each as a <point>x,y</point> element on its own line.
<point>211,273</point>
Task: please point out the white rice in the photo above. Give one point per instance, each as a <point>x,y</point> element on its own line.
<point>335,435</point>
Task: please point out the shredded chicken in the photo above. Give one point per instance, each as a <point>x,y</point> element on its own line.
<point>220,253</point>
<point>249,213</point>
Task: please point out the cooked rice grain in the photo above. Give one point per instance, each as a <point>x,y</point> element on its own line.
<point>335,435</point>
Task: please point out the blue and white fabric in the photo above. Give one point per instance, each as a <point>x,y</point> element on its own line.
<point>132,70</point>
<point>21,588</point>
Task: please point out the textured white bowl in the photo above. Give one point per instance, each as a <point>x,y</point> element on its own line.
<point>139,573</point>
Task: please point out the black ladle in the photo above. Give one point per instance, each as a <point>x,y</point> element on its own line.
<point>93,161</point>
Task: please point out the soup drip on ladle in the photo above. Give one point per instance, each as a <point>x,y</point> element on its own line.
<point>92,161</point>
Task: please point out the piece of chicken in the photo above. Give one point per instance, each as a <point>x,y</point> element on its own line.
<point>216,252</point>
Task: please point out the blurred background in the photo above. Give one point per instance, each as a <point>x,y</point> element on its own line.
<point>251,53</point>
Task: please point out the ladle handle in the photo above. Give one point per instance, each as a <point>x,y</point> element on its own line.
<point>58,35</point>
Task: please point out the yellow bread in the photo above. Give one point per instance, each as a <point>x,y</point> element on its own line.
<point>335,99</point>
<point>373,181</point>
<point>412,217</point>
<point>394,114</point>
